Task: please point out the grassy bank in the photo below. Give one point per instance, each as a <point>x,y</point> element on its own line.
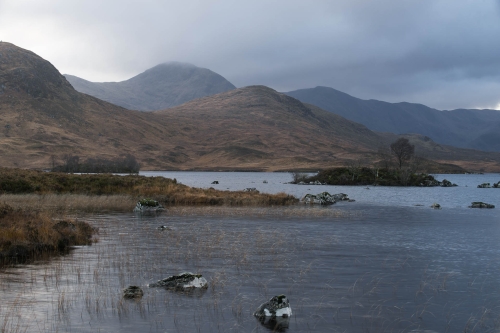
<point>25,234</point>
<point>166,191</point>
<point>32,203</point>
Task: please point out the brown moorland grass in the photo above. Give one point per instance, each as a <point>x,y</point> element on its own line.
<point>31,203</point>
<point>166,191</point>
<point>25,234</point>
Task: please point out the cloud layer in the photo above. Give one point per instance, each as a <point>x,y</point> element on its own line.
<point>443,53</point>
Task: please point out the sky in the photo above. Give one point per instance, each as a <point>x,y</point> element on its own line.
<point>441,53</point>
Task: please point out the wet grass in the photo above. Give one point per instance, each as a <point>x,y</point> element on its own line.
<point>25,234</point>
<point>34,201</point>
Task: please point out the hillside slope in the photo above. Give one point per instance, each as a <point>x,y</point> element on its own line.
<point>158,88</point>
<point>475,129</point>
<point>43,118</point>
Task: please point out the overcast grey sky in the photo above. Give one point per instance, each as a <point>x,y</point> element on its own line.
<point>442,53</point>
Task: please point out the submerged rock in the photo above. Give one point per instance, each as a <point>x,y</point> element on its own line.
<point>479,204</point>
<point>163,228</point>
<point>325,198</point>
<point>133,292</point>
<point>275,324</point>
<point>148,206</point>
<point>276,307</point>
<point>184,281</point>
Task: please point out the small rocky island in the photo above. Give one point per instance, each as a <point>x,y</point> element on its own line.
<point>371,176</point>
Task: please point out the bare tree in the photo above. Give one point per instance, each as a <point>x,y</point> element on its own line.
<point>70,163</point>
<point>402,150</point>
<point>354,167</point>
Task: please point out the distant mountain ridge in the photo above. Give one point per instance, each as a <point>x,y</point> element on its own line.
<point>43,118</point>
<point>163,86</point>
<point>475,129</point>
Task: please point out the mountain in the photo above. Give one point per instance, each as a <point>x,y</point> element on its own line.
<point>158,88</point>
<point>476,129</point>
<point>259,128</point>
<point>41,115</point>
<point>43,118</point>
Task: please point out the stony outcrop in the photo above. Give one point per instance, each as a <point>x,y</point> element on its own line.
<point>436,183</point>
<point>479,204</point>
<point>276,307</point>
<point>148,206</point>
<point>183,282</point>
<point>447,183</point>
<point>316,182</point>
<point>133,292</point>
<point>324,198</point>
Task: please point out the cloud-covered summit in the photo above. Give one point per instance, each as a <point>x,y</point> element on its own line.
<point>442,53</point>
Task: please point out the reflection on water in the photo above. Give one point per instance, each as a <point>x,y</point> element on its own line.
<point>352,267</point>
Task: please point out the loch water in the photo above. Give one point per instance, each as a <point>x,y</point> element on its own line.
<point>384,263</point>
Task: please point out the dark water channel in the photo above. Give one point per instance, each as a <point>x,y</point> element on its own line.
<point>352,267</point>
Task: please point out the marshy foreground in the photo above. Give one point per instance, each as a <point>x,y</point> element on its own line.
<point>35,206</point>
<point>428,271</point>
<point>351,267</point>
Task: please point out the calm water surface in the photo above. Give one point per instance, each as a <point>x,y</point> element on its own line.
<point>380,264</point>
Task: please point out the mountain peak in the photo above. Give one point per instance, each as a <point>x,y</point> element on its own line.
<point>22,71</point>
<point>160,87</point>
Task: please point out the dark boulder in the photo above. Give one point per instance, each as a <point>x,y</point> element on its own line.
<point>133,292</point>
<point>479,204</point>
<point>182,282</point>
<point>276,307</point>
<point>325,198</point>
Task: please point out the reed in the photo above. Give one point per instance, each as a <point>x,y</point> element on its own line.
<point>68,203</point>
<point>26,233</point>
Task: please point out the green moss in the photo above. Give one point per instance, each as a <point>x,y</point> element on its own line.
<point>149,202</point>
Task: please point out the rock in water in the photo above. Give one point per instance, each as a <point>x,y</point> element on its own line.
<point>184,281</point>
<point>484,185</point>
<point>324,198</point>
<point>436,206</point>
<point>133,292</point>
<point>479,204</point>
<point>148,206</point>
<point>278,306</point>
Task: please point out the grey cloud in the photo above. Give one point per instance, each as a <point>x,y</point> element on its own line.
<point>438,52</point>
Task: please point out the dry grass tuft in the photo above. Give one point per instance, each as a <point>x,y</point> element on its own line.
<point>68,203</point>
<point>25,234</point>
